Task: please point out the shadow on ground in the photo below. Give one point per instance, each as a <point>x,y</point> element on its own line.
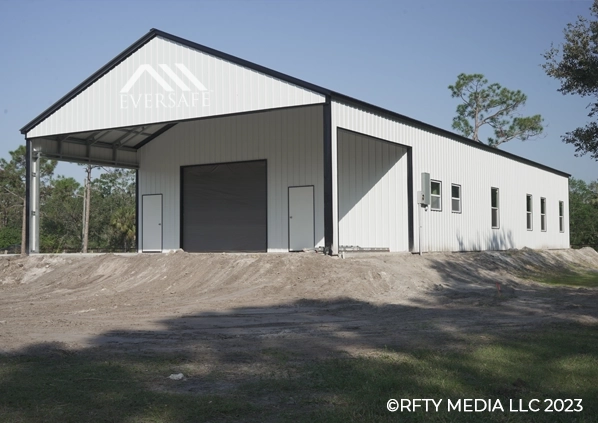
<point>308,361</point>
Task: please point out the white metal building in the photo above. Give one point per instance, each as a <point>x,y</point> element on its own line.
<point>232,156</point>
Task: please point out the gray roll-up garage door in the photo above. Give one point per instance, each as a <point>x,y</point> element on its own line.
<point>225,207</point>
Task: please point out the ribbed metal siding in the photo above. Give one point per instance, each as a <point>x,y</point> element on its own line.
<point>290,140</point>
<point>476,171</point>
<point>232,89</point>
<point>78,151</point>
<point>372,193</point>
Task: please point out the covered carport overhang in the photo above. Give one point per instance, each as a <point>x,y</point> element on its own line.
<point>157,82</point>
<point>114,147</point>
<point>110,146</point>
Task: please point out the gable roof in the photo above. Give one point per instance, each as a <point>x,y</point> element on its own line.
<point>281,76</point>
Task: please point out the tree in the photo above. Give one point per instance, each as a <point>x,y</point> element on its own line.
<point>113,210</point>
<point>87,205</point>
<point>111,219</point>
<point>13,178</point>
<point>583,212</point>
<point>575,65</point>
<point>491,105</point>
<point>123,222</point>
<point>62,224</point>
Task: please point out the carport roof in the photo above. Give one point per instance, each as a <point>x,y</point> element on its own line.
<point>140,135</point>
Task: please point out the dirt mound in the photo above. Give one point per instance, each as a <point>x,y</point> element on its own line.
<point>281,277</point>
<point>70,298</point>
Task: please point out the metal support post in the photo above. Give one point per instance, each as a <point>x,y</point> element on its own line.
<point>34,201</point>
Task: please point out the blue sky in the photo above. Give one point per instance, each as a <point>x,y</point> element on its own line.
<point>400,55</point>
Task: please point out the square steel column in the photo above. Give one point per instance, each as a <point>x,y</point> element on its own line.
<point>329,244</point>
<point>27,193</point>
<point>34,215</point>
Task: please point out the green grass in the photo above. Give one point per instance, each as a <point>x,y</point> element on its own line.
<point>89,386</point>
<point>83,387</point>
<point>560,363</point>
<point>585,279</point>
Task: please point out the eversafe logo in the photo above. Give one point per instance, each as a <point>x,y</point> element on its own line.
<point>198,96</point>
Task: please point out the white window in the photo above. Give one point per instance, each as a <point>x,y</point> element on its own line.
<point>561,216</point>
<point>543,214</point>
<point>436,195</point>
<point>494,203</point>
<point>456,198</point>
<point>529,209</point>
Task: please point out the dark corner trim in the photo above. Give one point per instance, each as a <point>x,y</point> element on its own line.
<point>328,215</point>
<point>410,199</point>
<point>181,215</point>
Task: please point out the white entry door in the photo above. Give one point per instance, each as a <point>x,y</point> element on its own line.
<point>152,223</point>
<point>301,218</point>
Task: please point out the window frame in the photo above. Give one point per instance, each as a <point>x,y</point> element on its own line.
<point>456,198</point>
<point>529,201</point>
<point>432,181</point>
<point>543,219</point>
<point>561,216</point>
<point>492,208</point>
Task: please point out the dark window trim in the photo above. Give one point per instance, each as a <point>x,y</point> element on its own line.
<point>545,226</point>
<point>531,212</point>
<point>460,199</point>
<point>561,216</point>
<point>497,207</point>
<point>432,195</point>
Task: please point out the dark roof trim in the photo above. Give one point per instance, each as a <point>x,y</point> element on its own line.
<point>243,62</point>
<point>279,75</point>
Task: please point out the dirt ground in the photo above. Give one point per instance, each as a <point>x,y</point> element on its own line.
<point>231,305</point>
